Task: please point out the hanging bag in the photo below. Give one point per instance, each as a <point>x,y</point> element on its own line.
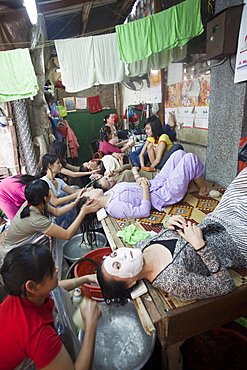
<point>3,118</point>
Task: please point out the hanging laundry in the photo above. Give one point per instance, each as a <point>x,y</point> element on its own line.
<point>17,76</point>
<point>87,61</point>
<point>72,141</point>
<point>162,31</point>
<point>156,61</point>
<point>94,104</point>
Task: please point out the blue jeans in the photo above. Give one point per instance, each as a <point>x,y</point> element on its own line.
<point>135,156</point>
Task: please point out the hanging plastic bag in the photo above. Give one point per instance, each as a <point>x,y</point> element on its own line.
<point>54,110</point>
<point>130,112</point>
<point>63,323</point>
<point>62,111</point>
<point>3,118</point>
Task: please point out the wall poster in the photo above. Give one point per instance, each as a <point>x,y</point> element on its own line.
<point>189,101</point>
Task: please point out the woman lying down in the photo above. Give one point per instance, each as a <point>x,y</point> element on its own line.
<point>190,263</point>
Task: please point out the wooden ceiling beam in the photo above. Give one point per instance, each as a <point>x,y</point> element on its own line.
<point>60,5</point>
<point>85,15</point>
<point>125,6</point>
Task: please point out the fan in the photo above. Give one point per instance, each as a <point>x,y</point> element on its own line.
<point>135,83</point>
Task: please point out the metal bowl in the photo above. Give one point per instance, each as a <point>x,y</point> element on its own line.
<point>121,342</point>
<point>74,249</point>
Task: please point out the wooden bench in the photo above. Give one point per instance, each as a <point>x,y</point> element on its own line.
<point>176,321</point>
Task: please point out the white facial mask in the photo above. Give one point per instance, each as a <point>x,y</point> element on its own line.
<point>124,262</point>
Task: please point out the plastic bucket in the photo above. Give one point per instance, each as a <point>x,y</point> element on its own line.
<point>87,267</point>
<point>74,249</point>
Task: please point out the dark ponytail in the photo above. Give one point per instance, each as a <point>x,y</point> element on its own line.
<point>47,159</point>
<point>106,117</point>
<point>34,194</point>
<point>25,179</point>
<point>25,212</point>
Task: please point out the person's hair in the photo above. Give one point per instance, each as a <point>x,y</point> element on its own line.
<point>106,117</point>
<point>96,185</point>
<point>24,179</point>
<point>34,192</point>
<point>49,158</point>
<point>101,168</point>
<point>27,262</point>
<point>84,179</point>
<point>104,132</point>
<point>60,148</point>
<point>156,126</point>
<point>90,221</point>
<point>113,291</point>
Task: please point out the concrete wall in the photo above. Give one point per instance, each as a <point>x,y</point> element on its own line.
<point>227,118</point>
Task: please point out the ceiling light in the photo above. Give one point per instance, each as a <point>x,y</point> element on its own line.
<point>31,10</point>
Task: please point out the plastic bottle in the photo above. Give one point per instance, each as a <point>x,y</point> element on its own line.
<point>77,297</point>
<point>77,317</point>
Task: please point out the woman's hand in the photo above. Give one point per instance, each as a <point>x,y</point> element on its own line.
<point>91,311</point>
<point>80,195</point>
<point>192,234</point>
<point>142,181</point>
<point>112,173</point>
<point>91,279</point>
<point>118,156</point>
<point>91,206</point>
<point>175,222</point>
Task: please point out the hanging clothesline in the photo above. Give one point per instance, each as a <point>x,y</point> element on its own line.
<point>52,42</point>
<point>86,61</point>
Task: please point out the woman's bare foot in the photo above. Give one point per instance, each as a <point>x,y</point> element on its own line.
<point>192,188</point>
<point>171,120</point>
<point>204,191</point>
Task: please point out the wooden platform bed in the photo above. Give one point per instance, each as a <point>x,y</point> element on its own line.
<point>176,321</point>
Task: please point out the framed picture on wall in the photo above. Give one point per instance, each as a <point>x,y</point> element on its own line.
<point>69,103</point>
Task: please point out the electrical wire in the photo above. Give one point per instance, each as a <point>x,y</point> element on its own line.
<point>79,11</point>
<point>51,42</point>
<point>107,7</point>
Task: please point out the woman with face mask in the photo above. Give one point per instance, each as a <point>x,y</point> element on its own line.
<point>190,263</point>
<point>27,314</point>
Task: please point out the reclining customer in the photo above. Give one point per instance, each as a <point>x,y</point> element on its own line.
<point>190,263</point>
<point>167,188</point>
<point>31,217</point>
<point>27,317</point>
<point>122,174</point>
